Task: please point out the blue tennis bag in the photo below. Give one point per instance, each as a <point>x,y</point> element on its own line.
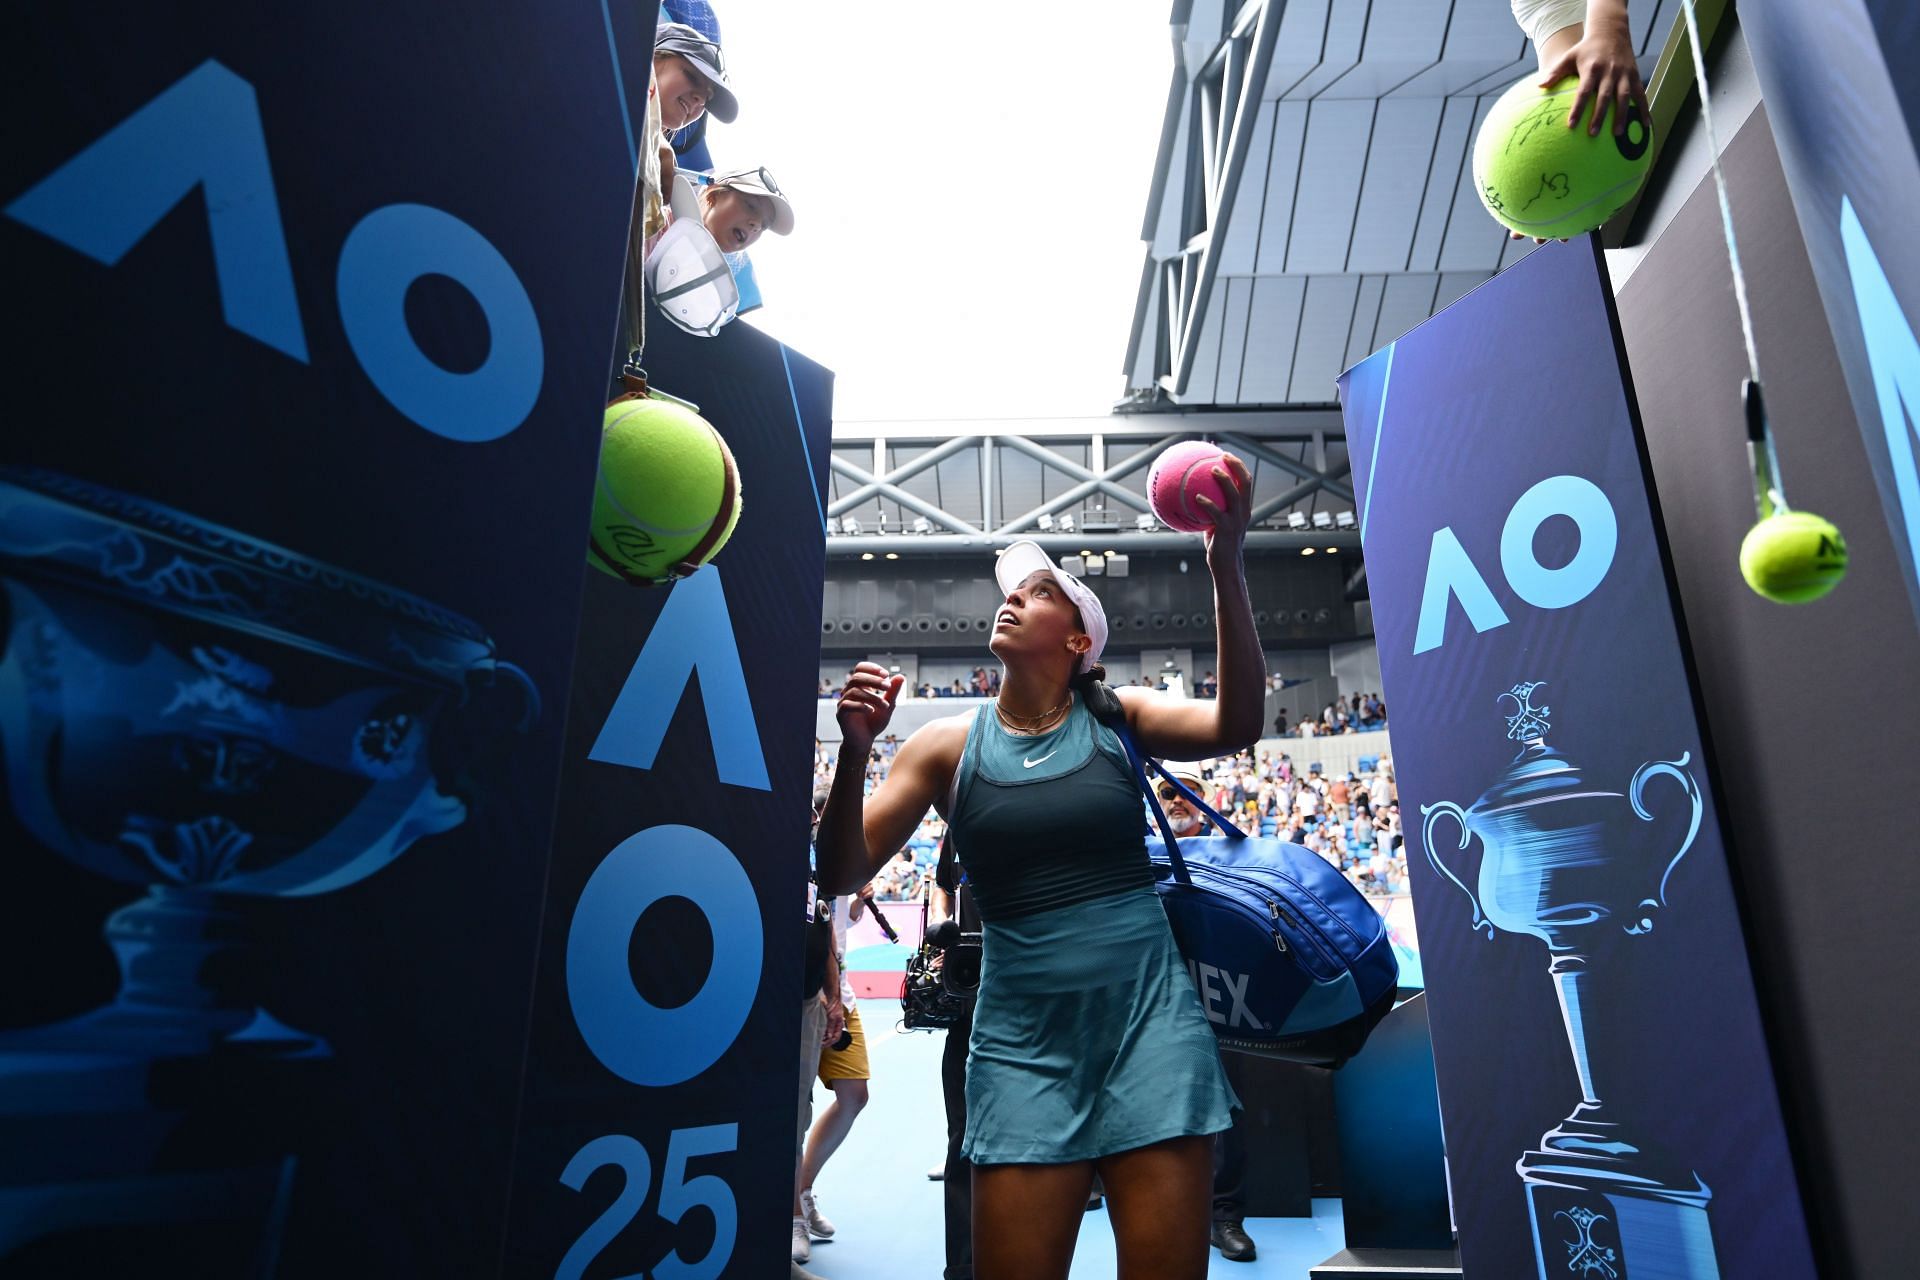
<point>1289,959</point>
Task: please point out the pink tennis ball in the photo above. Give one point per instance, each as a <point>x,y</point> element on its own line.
<point>1181,474</point>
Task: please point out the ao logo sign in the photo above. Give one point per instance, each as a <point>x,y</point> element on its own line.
<point>1893,356</point>
<point>1452,574</point>
<point>633,1038</point>
<point>205,131</point>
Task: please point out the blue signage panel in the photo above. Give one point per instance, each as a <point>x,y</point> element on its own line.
<point>1609,1106</point>
<point>657,1130</point>
<point>1828,74</point>
<point>311,312</point>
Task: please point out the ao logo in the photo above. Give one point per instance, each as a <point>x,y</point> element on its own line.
<point>205,131</point>
<point>1893,358</point>
<point>632,1037</point>
<point>1452,574</point>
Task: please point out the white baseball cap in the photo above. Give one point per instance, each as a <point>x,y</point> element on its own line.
<point>692,284</point>
<point>1024,559</point>
<point>759,182</point>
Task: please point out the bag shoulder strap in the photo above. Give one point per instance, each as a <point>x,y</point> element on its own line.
<point>1106,708</point>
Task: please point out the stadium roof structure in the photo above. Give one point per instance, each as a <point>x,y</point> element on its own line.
<point>944,487</point>
<point>1312,196</point>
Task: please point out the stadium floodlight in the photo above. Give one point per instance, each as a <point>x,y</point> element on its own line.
<point>1075,565</point>
<point>1345,520</point>
<point>1095,564</point>
<point>922,525</point>
<point>1066,523</point>
<point>1296,520</point>
<point>1143,522</point>
<point>1323,520</point>
<point>1117,565</point>
<point>849,525</point>
<point>1046,521</point>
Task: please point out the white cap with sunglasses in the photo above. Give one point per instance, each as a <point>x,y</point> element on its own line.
<point>759,182</point>
<point>1024,559</point>
<point>705,55</point>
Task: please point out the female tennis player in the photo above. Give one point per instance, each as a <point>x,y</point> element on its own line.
<point>1090,1052</point>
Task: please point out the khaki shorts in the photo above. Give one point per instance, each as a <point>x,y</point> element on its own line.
<point>849,1063</point>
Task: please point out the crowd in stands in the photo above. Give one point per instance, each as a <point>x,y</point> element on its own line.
<point>1352,713</point>
<point>1355,713</point>
<point>1351,819</point>
<point>982,683</point>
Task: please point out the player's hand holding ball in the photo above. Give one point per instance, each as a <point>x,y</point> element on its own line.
<point>1197,487</point>
<point>866,705</point>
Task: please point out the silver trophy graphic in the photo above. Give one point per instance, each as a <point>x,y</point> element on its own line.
<point>1570,862</point>
<point>186,708</point>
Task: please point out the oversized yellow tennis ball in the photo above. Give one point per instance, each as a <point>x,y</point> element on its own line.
<point>668,493</point>
<point>1540,178</point>
<point>1793,557</point>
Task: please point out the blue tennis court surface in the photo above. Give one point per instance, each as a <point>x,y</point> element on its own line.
<point>889,1216</point>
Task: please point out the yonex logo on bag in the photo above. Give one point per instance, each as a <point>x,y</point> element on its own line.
<point>1232,988</point>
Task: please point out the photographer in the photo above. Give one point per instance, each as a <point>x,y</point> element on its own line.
<point>957,1170</point>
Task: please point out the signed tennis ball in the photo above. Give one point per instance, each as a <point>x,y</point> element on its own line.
<point>1184,471</point>
<point>1793,557</point>
<point>668,493</point>
<point>1541,178</point>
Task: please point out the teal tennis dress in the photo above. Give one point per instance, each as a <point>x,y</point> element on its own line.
<point>1088,1038</point>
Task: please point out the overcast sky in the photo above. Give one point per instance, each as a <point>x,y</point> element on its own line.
<point>968,193</point>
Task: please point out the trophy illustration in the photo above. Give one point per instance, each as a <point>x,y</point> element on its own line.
<point>189,709</point>
<point>1568,862</point>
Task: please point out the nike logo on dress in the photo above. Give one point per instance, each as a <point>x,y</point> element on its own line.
<point>1028,764</point>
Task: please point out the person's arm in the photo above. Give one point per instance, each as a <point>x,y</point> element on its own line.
<point>1218,726</point>
<point>836,1011</point>
<point>858,833</point>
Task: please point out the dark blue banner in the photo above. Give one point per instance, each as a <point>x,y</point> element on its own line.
<point>1609,1106</point>
<point>1835,77</point>
<point>657,1133</point>
<point>310,318</point>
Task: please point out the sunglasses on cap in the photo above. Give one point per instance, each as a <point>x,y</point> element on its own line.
<point>750,179</point>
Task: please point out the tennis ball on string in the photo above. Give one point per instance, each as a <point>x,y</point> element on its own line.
<point>1540,178</point>
<point>1182,473</point>
<point>667,494</point>
<point>1792,557</point>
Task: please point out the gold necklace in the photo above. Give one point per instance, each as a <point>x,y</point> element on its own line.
<point>1038,724</point>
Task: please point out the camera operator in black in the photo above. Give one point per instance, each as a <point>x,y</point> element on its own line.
<point>955,902</point>
<point>1229,1145</point>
